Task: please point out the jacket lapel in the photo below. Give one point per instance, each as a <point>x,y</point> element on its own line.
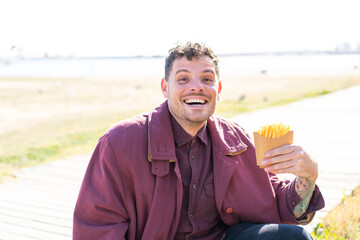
<point>226,142</point>
<point>223,171</point>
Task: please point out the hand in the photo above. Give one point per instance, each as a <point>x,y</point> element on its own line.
<point>290,159</point>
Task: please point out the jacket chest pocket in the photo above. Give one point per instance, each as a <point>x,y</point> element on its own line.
<point>209,189</point>
<point>211,216</point>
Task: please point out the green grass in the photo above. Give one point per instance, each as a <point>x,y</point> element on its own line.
<point>53,141</point>
<point>50,150</point>
<point>61,147</point>
<point>342,222</point>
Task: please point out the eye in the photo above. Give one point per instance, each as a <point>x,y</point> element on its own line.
<point>182,79</point>
<point>208,80</point>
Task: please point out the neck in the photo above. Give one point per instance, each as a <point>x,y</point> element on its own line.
<point>192,130</point>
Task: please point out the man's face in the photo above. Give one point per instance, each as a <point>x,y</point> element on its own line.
<point>192,90</point>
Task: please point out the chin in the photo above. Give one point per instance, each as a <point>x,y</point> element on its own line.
<point>198,119</point>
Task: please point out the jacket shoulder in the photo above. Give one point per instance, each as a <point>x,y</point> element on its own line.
<point>127,129</point>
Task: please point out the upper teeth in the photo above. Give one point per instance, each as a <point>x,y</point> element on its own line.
<point>195,101</point>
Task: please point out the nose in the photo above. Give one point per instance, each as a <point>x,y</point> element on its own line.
<point>196,85</point>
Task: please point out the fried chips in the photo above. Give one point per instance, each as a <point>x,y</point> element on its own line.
<point>274,130</point>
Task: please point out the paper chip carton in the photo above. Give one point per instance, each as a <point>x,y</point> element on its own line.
<point>263,144</point>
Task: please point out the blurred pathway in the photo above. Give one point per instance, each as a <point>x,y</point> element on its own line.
<point>40,202</point>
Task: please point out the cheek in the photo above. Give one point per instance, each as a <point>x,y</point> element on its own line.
<point>176,93</point>
<point>173,97</point>
<point>165,94</point>
<point>213,91</point>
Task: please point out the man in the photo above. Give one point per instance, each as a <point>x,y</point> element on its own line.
<point>180,173</point>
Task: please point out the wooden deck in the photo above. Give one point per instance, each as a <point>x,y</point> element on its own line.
<point>39,203</point>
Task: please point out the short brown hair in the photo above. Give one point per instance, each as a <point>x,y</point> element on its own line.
<point>190,50</point>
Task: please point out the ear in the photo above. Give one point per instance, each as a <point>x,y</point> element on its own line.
<point>164,87</point>
<point>219,90</point>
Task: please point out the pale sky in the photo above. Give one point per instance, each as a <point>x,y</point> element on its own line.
<point>151,27</point>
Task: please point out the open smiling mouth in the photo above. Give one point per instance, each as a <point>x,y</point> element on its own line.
<point>195,102</point>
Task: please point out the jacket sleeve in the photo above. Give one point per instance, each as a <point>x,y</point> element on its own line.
<point>100,211</point>
<point>287,199</point>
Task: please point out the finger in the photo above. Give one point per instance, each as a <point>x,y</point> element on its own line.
<point>296,166</point>
<point>281,167</point>
<point>280,150</point>
<point>290,170</point>
<point>281,158</point>
<point>278,159</point>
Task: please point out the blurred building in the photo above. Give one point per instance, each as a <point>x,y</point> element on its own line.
<point>348,48</point>
<point>358,48</point>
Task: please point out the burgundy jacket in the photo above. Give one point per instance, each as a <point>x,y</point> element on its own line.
<point>132,188</point>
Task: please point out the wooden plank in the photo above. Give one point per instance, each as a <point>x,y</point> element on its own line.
<point>49,203</point>
<point>5,235</point>
<point>30,188</point>
<point>55,220</point>
<point>37,225</point>
<point>14,231</point>
<point>61,213</point>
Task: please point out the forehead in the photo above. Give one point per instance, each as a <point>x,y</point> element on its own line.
<point>196,64</point>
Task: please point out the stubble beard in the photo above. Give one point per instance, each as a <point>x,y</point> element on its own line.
<point>198,119</point>
<point>188,119</point>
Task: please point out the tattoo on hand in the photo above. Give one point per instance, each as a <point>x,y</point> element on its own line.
<point>304,188</point>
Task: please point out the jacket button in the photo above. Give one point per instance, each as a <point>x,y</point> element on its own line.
<point>229,210</point>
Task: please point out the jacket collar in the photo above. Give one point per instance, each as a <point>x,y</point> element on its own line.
<point>161,145</point>
<point>225,137</point>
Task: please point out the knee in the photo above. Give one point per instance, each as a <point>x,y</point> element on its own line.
<point>284,231</point>
<point>267,231</point>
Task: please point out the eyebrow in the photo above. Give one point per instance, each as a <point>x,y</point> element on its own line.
<point>181,70</point>
<point>209,70</point>
<point>187,71</point>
